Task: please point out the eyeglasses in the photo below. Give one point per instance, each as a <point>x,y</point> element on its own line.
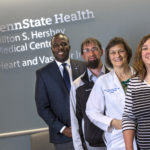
<point>118,52</point>
<point>88,50</point>
<point>63,44</point>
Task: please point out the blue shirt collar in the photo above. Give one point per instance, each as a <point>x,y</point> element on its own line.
<point>92,77</point>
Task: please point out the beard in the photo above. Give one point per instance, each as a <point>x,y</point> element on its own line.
<point>93,64</point>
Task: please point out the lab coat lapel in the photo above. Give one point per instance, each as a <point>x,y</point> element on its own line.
<point>118,84</point>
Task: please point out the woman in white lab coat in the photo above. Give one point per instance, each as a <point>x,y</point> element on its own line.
<point>106,102</point>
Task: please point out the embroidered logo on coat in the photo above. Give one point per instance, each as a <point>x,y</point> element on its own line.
<point>111,90</point>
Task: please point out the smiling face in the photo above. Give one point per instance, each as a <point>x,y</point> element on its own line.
<point>146,53</point>
<point>118,55</point>
<point>91,54</point>
<point>60,48</point>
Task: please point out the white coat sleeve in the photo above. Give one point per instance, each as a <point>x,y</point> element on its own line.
<point>95,107</point>
<point>74,122</point>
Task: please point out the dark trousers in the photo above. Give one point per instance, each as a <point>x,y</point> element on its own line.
<point>64,146</point>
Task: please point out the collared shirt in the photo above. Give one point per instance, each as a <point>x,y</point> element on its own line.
<point>68,67</point>
<point>92,77</point>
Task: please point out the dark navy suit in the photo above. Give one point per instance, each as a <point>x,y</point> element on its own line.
<point>52,98</point>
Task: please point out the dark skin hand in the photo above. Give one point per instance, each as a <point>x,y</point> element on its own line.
<point>67,132</point>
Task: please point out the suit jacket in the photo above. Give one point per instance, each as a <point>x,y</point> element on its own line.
<point>52,98</point>
<point>92,134</point>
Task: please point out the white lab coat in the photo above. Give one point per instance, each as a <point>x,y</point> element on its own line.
<point>107,95</point>
<point>74,122</point>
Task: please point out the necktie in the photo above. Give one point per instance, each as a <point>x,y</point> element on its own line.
<point>66,77</point>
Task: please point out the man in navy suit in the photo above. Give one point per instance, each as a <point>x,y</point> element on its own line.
<point>52,92</point>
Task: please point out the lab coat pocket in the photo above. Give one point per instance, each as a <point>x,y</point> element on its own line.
<point>111,95</point>
<point>114,139</point>
<point>117,138</point>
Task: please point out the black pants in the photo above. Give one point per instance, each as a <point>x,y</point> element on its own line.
<point>64,146</point>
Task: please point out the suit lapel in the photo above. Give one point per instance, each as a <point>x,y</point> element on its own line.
<point>74,68</point>
<point>55,74</point>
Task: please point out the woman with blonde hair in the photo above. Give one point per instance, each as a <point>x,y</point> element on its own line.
<point>136,116</point>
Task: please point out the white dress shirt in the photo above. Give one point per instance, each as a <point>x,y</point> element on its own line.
<point>68,67</point>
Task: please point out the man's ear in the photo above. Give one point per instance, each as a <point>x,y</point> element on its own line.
<point>82,56</point>
<point>69,47</point>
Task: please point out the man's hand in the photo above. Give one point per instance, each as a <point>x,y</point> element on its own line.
<point>67,132</point>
